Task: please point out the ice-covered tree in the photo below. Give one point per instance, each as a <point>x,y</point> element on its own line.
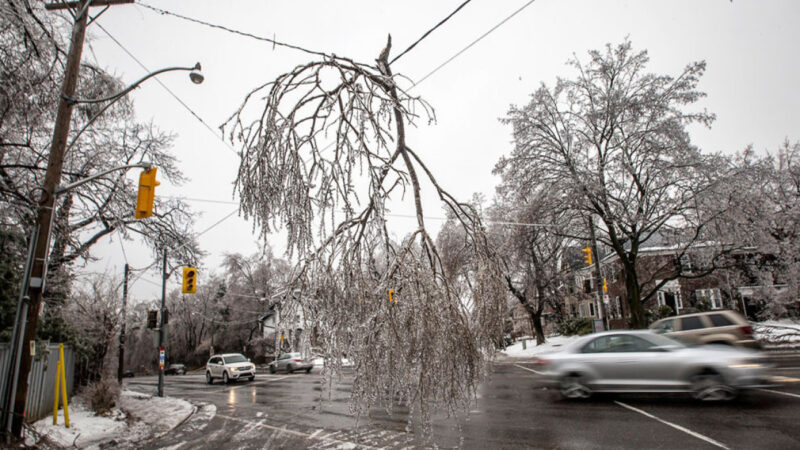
<point>615,138</point>
<point>322,156</point>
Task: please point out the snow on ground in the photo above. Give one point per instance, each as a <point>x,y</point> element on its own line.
<point>551,344</point>
<point>136,417</point>
<point>778,334</point>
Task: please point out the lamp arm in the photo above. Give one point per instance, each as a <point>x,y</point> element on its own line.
<point>65,188</point>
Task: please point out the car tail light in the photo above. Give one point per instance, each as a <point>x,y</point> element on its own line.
<point>746,330</point>
<point>542,362</point>
<point>298,360</point>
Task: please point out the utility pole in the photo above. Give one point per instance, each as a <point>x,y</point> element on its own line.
<point>598,275</point>
<point>121,368</point>
<point>161,349</point>
<point>47,200</point>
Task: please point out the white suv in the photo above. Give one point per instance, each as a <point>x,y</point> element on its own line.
<point>230,366</point>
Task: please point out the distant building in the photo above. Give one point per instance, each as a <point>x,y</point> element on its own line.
<point>289,322</point>
<point>725,288</point>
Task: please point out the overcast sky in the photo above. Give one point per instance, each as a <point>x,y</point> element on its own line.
<point>751,80</point>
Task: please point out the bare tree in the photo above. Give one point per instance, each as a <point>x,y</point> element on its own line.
<point>32,44</point>
<point>615,136</point>
<point>533,245</point>
<point>94,315</point>
<point>425,348</point>
<point>759,207</point>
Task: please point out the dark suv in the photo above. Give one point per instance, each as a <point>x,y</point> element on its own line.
<point>710,327</point>
<point>175,369</point>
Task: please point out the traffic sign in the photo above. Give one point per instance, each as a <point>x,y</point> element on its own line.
<point>161,358</point>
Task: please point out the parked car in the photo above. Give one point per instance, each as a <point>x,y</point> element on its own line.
<point>127,374</point>
<point>289,362</point>
<point>229,366</point>
<point>642,361</point>
<point>711,327</point>
<point>175,369</point>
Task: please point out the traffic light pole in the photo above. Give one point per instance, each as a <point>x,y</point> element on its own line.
<point>121,365</point>
<point>598,274</point>
<point>164,276</point>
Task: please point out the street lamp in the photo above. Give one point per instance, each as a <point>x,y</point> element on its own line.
<point>16,386</point>
<point>194,75</point>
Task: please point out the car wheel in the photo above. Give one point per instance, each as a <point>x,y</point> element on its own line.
<point>308,370</point>
<point>252,378</point>
<point>225,379</point>
<point>710,386</point>
<point>573,387</point>
<point>271,369</point>
<point>289,369</point>
<point>209,378</point>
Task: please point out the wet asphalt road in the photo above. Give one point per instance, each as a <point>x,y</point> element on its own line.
<point>285,411</point>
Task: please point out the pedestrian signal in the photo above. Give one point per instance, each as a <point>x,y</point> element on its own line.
<point>152,319</point>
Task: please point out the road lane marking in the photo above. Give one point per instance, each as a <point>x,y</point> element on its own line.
<point>297,433</point>
<point>781,393</point>
<point>676,426</point>
<point>530,370</point>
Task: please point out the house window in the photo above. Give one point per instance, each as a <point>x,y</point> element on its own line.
<point>686,264</point>
<point>619,308</point>
<point>581,311</point>
<point>660,297</point>
<point>591,309</point>
<point>587,285</point>
<point>710,296</point>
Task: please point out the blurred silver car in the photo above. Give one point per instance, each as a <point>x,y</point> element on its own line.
<point>290,362</point>
<point>642,361</point>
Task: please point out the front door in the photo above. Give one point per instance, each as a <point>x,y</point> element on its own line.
<point>669,300</point>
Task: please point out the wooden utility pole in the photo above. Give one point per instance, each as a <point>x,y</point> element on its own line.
<point>47,200</point>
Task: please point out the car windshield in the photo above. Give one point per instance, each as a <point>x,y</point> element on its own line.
<point>235,359</point>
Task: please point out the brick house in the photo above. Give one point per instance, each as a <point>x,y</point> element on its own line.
<point>657,262</point>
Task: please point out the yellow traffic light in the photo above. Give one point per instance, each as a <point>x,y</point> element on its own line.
<point>587,255</point>
<point>147,193</point>
<point>605,285</point>
<point>189,280</point>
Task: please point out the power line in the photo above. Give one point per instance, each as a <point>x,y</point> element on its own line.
<point>429,32</point>
<point>408,216</point>
<point>230,30</point>
<point>471,44</point>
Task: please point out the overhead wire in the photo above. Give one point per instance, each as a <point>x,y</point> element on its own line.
<point>409,216</point>
<point>231,30</point>
<point>480,38</point>
<point>429,32</point>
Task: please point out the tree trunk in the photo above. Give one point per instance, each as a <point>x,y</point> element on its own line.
<point>538,330</point>
<point>638,319</point>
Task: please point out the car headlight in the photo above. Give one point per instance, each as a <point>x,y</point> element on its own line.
<point>746,365</point>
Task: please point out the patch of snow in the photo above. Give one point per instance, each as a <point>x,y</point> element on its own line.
<point>85,428</point>
<point>778,334</point>
<point>136,417</point>
<point>551,344</point>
